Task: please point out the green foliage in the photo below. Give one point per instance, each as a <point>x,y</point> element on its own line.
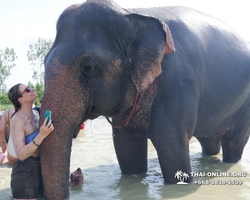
<point>7,62</point>
<point>36,54</point>
<point>4,99</point>
<point>4,107</point>
<point>39,88</point>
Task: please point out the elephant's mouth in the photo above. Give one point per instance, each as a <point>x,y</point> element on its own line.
<point>76,129</point>
<point>75,132</point>
<point>94,113</point>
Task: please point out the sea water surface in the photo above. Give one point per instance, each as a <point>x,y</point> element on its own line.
<point>94,153</point>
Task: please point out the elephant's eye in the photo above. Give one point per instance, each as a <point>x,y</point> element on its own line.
<point>88,69</point>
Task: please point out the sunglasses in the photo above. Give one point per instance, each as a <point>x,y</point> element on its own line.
<point>27,89</point>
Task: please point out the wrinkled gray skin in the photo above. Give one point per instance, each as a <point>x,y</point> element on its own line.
<point>191,73</point>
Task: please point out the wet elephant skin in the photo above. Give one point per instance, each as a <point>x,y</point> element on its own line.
<point>165,73</point>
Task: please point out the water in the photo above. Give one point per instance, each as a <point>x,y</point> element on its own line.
<point>94,153</point>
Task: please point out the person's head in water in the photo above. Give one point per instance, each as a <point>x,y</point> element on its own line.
<point>21,94</point>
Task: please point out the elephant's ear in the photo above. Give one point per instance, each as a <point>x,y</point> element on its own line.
<point>151,42</point>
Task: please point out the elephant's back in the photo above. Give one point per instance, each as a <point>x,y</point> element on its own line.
<point>167,12</point>
<point>200,36</point>
<point>176,13</point>
<point>183,19</point>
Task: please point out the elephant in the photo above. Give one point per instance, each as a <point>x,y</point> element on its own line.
<point>167,73</point>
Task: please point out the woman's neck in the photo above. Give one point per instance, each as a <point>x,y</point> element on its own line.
<point>26,109</point>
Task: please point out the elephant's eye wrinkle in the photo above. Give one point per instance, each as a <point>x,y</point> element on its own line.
<point>88,69</point>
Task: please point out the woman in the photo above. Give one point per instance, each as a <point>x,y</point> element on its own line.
<point>4,135</point>
<point>24,141</point>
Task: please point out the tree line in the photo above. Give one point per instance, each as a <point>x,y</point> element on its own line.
<point>35,54</point>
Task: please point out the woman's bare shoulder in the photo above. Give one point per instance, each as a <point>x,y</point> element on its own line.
<point>9,112</point>
<point>17,120</point>
<point>12,110</point>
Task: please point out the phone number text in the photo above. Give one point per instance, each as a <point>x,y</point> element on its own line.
<point>218,182</point>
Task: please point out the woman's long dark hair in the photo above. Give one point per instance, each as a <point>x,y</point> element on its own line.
<point>14,95</point>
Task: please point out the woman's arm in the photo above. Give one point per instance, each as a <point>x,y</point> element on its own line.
<point>3,124</point>
<point>18,136</point>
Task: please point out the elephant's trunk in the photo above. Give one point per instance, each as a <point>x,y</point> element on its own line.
<point>55,161</point>
<point>67,117</point>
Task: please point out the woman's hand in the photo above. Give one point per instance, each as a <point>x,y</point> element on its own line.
<point>45,130</point>
<point>3,146</point>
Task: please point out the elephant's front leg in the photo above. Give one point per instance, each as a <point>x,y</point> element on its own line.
<point>173,154</point>
<point>173,123</point>
<point>131,150</point>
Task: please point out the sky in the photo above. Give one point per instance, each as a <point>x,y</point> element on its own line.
<point>23,22</point>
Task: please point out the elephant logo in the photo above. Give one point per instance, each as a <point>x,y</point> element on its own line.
<point>181,176</point>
